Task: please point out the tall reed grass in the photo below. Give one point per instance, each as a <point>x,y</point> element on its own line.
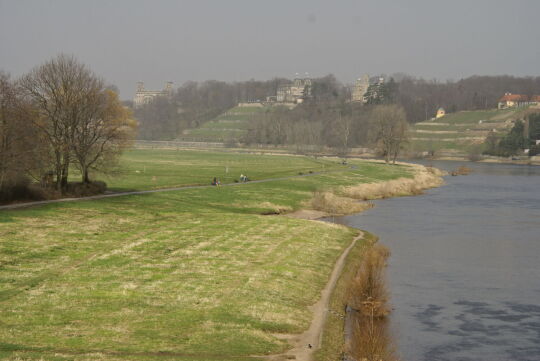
<point>369,297</point>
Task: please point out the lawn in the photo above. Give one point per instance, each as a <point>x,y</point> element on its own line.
<point>194,274</point>
<point>142,169</point>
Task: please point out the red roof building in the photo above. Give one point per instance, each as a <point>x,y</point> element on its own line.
<point>510,100</point>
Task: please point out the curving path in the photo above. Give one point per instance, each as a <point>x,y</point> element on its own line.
<point>301,350</point>
<point>121,194</point>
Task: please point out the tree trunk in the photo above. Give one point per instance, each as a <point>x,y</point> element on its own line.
<point>86,178</point>
<point>58,166</point>
<point>65,173</point>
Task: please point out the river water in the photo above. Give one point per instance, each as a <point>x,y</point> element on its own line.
<point>464,273</point>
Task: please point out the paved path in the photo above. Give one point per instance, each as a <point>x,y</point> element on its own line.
<point>121,194</point>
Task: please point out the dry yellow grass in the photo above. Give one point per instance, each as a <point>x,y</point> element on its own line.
<point>368,295</point>
<point>424,178</point>
<point>369,285</point>
<point>333,204</point>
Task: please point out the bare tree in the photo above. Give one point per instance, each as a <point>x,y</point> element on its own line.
<point>19,144</point>
<point>390,130</point>
<point>343,129</point>
<point>77,116</point>
<point>103,132</point>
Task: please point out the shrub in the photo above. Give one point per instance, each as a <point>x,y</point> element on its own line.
<point>534,150</point>
<point>78,189</point>
<point>21,189</point>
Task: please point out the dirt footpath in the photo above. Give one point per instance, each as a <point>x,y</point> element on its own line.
<point>312,337</point>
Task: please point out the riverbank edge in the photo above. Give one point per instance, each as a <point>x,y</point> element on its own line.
<point>332,337</point>
<point>347,200</point>
<point>332,345</point>
<point>490,160</point>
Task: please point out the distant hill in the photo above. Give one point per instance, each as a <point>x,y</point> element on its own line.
<point>461,132</point>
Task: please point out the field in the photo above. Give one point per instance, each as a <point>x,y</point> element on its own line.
<point>143,169</point>
<point>462,131</point>
<point>193,274</point>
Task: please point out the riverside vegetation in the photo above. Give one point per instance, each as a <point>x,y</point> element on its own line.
<point>193,274</point>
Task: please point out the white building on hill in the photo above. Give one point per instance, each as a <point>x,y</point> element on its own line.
<point>295,92</point>
<point>143,96</point>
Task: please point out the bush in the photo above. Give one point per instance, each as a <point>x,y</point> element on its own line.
<point>534,150</point>
<point>78,189</point>
<point>22,189</point>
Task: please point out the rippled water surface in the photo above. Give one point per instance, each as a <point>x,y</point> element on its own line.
<point>465,267</point>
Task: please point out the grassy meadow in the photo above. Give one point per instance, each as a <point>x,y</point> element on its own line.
<point>143,169</point>
<point>193,274</point>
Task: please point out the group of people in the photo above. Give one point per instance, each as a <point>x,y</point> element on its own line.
<point>217,182</point>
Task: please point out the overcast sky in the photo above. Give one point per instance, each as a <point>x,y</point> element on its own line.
<point>126,41</point>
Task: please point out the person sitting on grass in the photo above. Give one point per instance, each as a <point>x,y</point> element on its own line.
<point>215,181</point>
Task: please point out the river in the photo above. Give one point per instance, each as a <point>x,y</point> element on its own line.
<point>464,273</point>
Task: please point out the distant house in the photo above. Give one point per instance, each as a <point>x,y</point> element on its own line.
<point>440,113</point>
<point>295,92</point>
<point>360,89</point>
<point>509,100</point>
<point>367,89</point>
<point>143,96</point>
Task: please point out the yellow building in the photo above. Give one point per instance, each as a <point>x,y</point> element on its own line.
<point>440,113</point>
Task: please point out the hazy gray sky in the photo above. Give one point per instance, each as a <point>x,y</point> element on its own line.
<point>154,41</point>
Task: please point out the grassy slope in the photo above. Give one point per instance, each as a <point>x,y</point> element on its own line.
<point>195,274</point>
<point>464,124</point>
<point>232,124</point>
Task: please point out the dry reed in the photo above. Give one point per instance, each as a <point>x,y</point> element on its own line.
<point>368,296</point>
<point>330,203</point>
<point>424,178</point>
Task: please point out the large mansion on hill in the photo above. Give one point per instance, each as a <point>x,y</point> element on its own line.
<point>143,96</point>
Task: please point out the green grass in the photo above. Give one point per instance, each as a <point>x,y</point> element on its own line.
<point>142,169</point>
<point>248,110</point>
<point>333,335</point>
<point>466,124</point>
<point>243,117</point>
<point>195,274</point>
<point>240,125</point>
<point>232,124</point>
<point>468,116</point>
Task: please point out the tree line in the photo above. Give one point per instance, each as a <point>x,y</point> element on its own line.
<point>421,98</point>
<point>523,135</point>
<point>196,102</point>
<point>58,117</point>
